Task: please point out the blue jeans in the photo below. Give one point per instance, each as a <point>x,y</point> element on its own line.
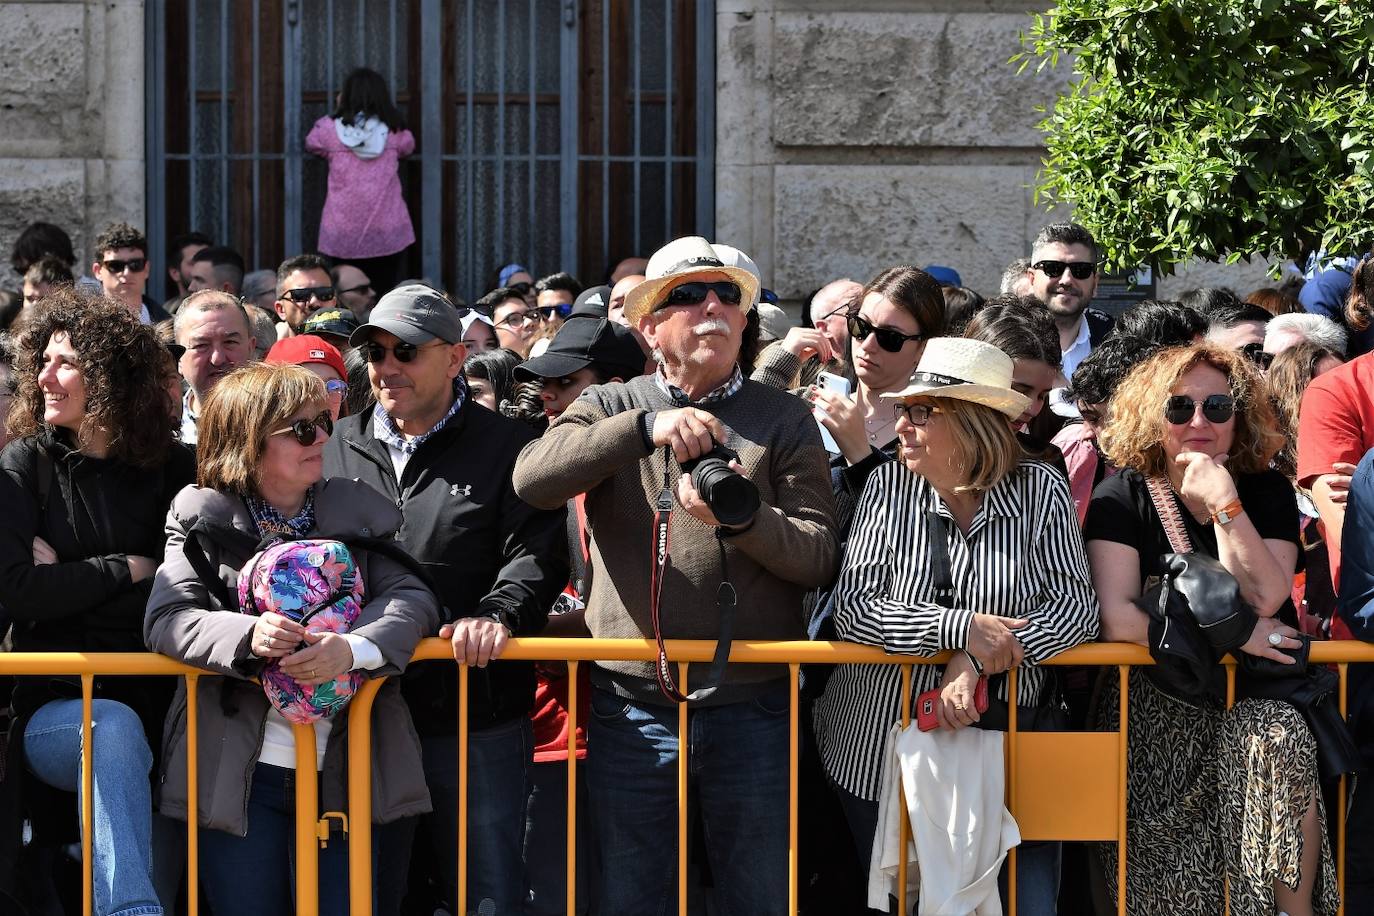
<point>121,866</point>
<point>256,874</point>
<point>737,770</point>
<point>1037,863</point>
<point>546,841</point>
<point>499,759</point>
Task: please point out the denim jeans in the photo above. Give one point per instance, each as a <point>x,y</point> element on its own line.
<point>121,867</point>
<point>499,759</point>
<point>546,841</point>
<point>737,758</point>
<point>1037,863</point>
<point>256,874</point>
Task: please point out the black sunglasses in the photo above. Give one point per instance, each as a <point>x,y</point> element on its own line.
<point>890,340</point>
<point>549,312</point>
<point>358,289</point>
<point>1079,270</point>
<point>307,431</point>
<point>1216,408</point>
<point>306,293</point>
<point>696,291</point>
<point>522,288</point>
<point>404,352</point>
<point>1255,353</point>
<point>116,266</point>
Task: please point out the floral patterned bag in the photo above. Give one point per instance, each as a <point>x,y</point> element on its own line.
<point>317,584</point>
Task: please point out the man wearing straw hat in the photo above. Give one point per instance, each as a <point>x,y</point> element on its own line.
<point>728,551</point>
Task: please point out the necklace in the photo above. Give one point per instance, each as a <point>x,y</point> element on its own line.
<point>877,426</point>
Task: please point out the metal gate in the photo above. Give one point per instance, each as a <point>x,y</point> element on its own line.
<point>563,134</point>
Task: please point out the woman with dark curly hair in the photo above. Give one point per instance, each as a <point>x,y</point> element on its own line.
<point>1213,793</point>
<point>87,481</point>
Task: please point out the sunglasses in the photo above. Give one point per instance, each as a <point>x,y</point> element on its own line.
<point>404,352</point>
<point>116,266</point>
<point>549,312</point>
<point>1255,353</point>
<point>916,414</point>
<point>835,311</point>
<point>306,293</point>
<point>695,293</point>
<point>306,432</point>
<point>1216,408</point>
<point>357,289</point>
<point>522,288</point>
<point>336,387</point>
<point>1079,270</point>
<point>890,340</point>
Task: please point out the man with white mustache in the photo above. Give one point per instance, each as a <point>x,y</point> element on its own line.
<point>625,445</point>
<point>214,328</point>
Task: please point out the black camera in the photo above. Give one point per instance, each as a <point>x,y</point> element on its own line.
<point>733,499</point>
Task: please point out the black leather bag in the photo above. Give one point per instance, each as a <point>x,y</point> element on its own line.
<point>1315,692</point>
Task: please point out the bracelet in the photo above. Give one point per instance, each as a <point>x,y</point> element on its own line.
<point>1228,513</point>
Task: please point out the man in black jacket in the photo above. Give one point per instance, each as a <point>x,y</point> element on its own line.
<point>497,562</point>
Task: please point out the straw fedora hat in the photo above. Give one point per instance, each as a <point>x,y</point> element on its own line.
<point>682,259</point>
<point>968,370</point>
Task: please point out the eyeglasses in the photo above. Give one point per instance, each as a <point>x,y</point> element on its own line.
<point>306,432</point>
<point>1216,408</point>
<point>336,387</point>
<point>916,414</point>
<point>890,340</point>
<point>1080,270</point>
<point>517,320</point>
<point>404,352</point>
<point>116,266</point>
<point>695,293</point>
<point>1255,353</point>
<point>306,293</point>
<point>357,289</point>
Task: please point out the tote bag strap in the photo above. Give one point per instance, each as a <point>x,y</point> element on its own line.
<point>1162,495</point>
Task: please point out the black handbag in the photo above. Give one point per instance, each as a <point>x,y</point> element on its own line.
<point>1197,615</point>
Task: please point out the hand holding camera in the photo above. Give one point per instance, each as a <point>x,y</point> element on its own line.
<point>714,490</point>
<point>688,431</point>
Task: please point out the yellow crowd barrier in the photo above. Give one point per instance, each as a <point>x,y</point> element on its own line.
<point>1040,764</point>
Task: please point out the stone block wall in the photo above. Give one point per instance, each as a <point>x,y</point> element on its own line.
<point>853,135</point>
<point>71,119</point>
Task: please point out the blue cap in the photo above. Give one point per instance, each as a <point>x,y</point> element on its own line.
<point>945,276</point>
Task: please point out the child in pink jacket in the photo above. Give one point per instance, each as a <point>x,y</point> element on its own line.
<point>365,220</point>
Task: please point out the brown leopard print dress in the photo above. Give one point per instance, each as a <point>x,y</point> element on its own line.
<point>1213,793</point>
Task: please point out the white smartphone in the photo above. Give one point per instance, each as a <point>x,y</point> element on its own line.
<point>839,385</point>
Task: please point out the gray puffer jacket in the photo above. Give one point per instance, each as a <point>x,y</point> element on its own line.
<point>184,621</point>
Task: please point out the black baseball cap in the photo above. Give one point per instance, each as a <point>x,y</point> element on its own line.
<point>579,344</point>
<point>593,303</point>
<point>339,322</point>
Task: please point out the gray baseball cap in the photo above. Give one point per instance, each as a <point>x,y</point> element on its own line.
<point>415,313</point>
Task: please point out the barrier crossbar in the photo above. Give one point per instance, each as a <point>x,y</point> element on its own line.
<point>1098,757</point>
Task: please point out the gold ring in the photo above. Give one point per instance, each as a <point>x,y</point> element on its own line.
<point>960,706</point>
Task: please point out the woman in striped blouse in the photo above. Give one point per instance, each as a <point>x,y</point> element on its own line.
<point>1021,589</point>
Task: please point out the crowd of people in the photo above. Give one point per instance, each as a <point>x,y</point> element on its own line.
<point>290,478</point>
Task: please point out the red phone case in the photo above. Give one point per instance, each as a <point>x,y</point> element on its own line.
<point>926,718</point>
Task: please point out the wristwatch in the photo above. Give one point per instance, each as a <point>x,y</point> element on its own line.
<point>1228,513</point>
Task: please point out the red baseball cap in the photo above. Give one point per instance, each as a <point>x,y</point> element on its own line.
<point>307,348</point>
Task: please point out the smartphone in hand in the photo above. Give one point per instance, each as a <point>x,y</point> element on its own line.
<point>839,385</point>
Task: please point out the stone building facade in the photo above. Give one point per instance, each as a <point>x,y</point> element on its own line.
<point>850,134</point>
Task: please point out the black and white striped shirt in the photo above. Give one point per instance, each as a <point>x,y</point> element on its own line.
<point>1022,557</point>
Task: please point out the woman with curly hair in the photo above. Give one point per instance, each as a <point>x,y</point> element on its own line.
<point>87,480</point>
<point>1288,377</point>
<point>1211,792</point>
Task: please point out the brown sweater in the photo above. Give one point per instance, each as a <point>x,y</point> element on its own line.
<point>596,448</point>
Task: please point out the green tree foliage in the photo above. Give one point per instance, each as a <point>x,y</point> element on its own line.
<point>1214,129</point>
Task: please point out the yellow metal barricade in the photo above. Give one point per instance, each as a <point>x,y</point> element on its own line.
<point>1039,764</point>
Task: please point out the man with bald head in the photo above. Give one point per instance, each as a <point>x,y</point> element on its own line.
<point>804,352</point>
<point>627,267</point>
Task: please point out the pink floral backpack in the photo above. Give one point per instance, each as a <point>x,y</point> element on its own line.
<point>317,584</point>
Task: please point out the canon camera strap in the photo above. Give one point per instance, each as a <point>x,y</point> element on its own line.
<point>725,601</point>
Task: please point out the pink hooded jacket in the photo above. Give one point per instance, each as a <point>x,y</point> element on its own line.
<point>365,215</point>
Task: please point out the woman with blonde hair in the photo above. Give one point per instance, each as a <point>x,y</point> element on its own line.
<point>1212,792</point>
<point>964,497</point>
<point>260,472</point>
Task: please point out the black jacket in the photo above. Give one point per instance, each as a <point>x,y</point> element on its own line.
<point>95,513</point>
<point>488,552</point>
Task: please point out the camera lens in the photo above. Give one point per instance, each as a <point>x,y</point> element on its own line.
<point>733,499</point>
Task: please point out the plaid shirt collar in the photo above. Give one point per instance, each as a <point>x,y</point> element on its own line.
<point>272,523</point>
<point>384,428</point>
<point>680,398</point>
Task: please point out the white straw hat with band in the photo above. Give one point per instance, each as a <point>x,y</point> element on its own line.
<point>680,260</point>
<point>966,370</point>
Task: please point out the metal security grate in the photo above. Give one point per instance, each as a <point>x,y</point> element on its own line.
<point>564,134</point>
